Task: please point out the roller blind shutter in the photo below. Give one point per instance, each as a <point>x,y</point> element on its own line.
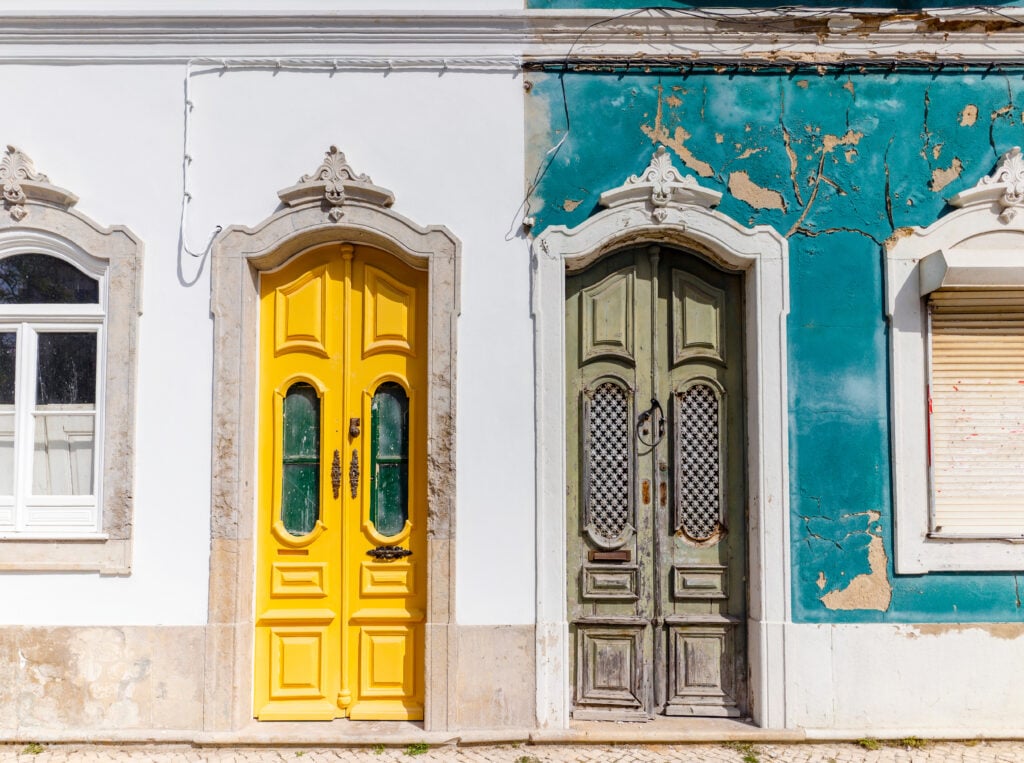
<point>977,412</point>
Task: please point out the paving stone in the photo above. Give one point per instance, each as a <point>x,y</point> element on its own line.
<point>932,752</point>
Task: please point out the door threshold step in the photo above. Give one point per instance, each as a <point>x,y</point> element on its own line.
<point>666,730</point>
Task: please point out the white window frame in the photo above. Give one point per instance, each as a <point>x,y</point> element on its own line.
<point>981,244</point>
<point>28,321</point>
<point>36,217</point>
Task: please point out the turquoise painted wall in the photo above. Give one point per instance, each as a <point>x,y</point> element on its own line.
<point>836,162</point>
<point>626,5</point>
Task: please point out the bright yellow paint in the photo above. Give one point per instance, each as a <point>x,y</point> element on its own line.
<point>339,633</point>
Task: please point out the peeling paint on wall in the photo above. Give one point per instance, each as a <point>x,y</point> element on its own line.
<point>1005,631</point>
<point>851,159</point>
<point>870,591</point>
<point>941,178</point>
<point>744,189</point>
<point>659,134</point>
<point>969,115</point>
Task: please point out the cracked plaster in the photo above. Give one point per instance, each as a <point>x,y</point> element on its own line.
<point>851,156</point>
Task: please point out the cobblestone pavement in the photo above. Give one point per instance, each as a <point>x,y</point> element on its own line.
<point>883,752</point>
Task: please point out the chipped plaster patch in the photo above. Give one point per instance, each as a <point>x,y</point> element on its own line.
<point>849,86</point>
<point>659,134</point>
<point>851,138</point>
<point>1006,631</point>
<point>969,115</point>
<point>719,138</point>
<point>674,102</point>
<point>871,590</point>
<point>802,83</point>
<point>821,580</point>
<point>941,178</point>
<point>745,189</point>
<point>936,150</point>
<point>569,205</point>
<point>750,152</point>
<point>851,154</point>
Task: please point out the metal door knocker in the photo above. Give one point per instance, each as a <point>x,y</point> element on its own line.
<point>651,420</point>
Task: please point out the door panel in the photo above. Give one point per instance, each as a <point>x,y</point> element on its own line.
<point>339,604</point>
<point>656,493</point>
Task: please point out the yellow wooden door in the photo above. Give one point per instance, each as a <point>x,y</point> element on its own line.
<point>341,591</point>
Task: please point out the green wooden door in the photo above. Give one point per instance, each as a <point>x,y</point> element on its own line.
<point>656,489</point>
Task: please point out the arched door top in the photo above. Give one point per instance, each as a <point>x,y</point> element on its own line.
<point>331,205</point>
<point>661,206</point>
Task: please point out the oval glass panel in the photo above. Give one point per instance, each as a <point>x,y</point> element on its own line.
<point>44,280</point>
<point>389,453</point>
<point>608,457</point>
<point>300,478</point>
<point>698,511</point>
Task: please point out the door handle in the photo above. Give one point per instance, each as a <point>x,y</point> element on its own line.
<point>353,472</point>
<point>652,417</point>
<point>336,472</point>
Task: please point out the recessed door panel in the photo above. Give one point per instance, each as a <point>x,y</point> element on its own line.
<point>606,318</point>
<point>340,605</point>
<point>656,492</point>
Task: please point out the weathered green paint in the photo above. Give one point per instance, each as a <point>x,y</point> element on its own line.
<point>300,482</point>
<point>835,161</point>
<point>645,324</point>
<point>389,453</point>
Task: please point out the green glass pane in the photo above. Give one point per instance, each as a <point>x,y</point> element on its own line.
<point>389,453</point>
<point>300,478</point>
<point>301,423</point>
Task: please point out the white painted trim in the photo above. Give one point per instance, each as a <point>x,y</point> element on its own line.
<point>986,222</point>
<point>680,37</point>
<point>762,255</point>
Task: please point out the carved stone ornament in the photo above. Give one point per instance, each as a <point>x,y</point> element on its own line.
<point>661,186</point>
<point>22,183</point>
<point>1005,186</point>
<point>334,184</point>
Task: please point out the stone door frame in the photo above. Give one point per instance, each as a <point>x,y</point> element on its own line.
<point>332,205</point>
<point>660,206</point>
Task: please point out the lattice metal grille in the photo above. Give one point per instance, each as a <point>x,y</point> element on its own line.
<point>699,501</point>
<point>608,460</point>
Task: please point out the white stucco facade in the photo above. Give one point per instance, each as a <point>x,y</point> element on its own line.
<point>145,109</point>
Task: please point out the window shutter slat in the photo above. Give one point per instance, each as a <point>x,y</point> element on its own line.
<point>977,412</point>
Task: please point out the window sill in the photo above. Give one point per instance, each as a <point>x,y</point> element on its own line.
<point>92,553</point>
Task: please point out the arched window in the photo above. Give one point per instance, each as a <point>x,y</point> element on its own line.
<point>69,307</point>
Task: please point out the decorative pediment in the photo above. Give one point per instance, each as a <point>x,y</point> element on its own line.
<point>21,184</point>
<point>334,184</point>
<point>661,186</point>
<point>1005,186</point>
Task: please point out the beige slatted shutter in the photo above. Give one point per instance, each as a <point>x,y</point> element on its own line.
<point>977,412</point>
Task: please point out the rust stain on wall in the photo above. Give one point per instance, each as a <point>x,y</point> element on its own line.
<point>868,591</point>
<point>745,189</point>
<point>943,177</point>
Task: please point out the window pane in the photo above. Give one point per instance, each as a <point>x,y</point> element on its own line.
<point>389,446</point>
<point>41,279</point>
<point>8,357</point>
<point>63,459</point>
<point>66,374</point>
<point>300,479</point>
